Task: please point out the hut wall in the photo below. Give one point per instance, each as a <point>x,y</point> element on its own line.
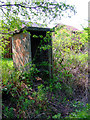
<point>21,49</point>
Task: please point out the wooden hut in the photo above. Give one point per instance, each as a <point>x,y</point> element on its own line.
<point>35,47</point>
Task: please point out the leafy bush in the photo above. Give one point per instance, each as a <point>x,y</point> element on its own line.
<point>17,89</point>
<point>70,51</point>
<point>81,114</point>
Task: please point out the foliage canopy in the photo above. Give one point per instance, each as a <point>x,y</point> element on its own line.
<point>12,12</point>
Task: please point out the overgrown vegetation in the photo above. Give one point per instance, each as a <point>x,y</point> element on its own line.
<point>25,94</point>
<point>71,54</point>
<point>64,96</point>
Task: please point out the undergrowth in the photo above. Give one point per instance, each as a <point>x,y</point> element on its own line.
<point>27,96</point>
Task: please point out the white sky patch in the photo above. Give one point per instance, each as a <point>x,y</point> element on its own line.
<point>81,17</point>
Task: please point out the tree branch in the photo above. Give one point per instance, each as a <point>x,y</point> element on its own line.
<point>42,5</point>
<point>10,5</point>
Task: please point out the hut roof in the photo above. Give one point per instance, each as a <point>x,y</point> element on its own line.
<point>32,27</point>
<point>70,28</point>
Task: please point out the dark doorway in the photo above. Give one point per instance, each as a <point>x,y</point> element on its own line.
<point>36,42</point>
<point>40,57</point>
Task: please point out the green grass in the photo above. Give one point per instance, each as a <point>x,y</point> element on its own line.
<point>6,69</point>
<point>8,61</point>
